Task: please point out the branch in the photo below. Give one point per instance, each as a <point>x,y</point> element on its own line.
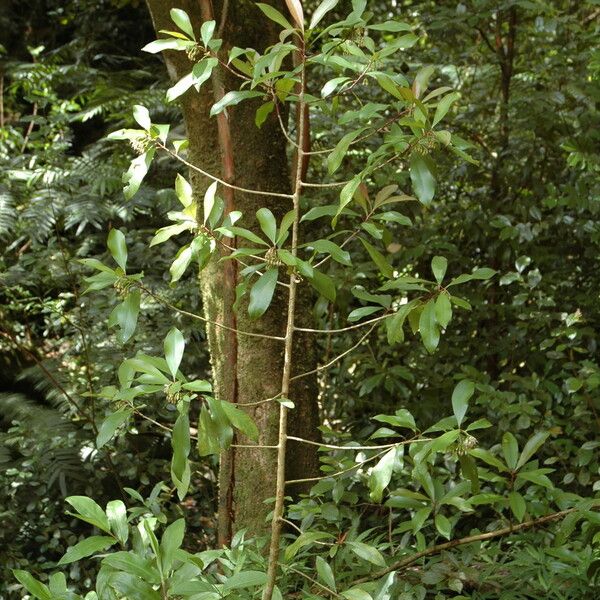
<point>334,447</point>
<point>204,319</point>
<point>405,562</point>
<point>338,357</point>
<point>349,328</point>
<point>218,179</point>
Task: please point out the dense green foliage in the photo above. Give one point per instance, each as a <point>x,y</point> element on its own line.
<point>515,206</point>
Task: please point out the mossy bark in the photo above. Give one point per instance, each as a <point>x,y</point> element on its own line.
<point>247,369</point>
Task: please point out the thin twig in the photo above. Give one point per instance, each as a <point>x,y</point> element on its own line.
<point>409,560</point>
<point>218,179</point>
<point>338,357</point>
<point>204,319</point>
<point>335,447</point>
<point>343,329</point>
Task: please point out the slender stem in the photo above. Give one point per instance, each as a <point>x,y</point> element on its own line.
<point>201,318</point>
<point>409,560</point>
<point>287,359</point>
<point>324,185</point>
<point>315,582</point>
<point>338,357</point>
<point>218,179</point>
<point>343,329</point>
<point>337,473</point>
<point>335,447</point>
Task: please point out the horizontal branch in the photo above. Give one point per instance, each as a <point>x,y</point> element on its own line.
<point>219,180</point>
<point>409,560</point>
<point>204,319</point>
<point>335,359</point>
<point>336,447</point>
<point>343,329</point>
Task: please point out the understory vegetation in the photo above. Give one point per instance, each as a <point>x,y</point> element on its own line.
<point>299,300</point>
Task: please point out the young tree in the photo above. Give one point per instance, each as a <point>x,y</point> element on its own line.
<point>246,367</point>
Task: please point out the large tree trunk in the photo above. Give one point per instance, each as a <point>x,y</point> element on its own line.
<point>246,369</point>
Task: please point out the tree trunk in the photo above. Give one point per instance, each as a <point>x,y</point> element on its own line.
<point>245,369</point>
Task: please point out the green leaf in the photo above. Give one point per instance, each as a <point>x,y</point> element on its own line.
<point>181,263</point>
<point>422,80</point>
<point>171,541</point>
<point>443,310</point>
<point>125,315</point>
<point>165,233</point>
<point>245,579</point>
<point>142,117</point>
<point>325,573</point>
<point>181,87</point>
<point>331,248</point>
<point>118,247</point>
<point>395,324</point>
<point>532,445</point>
<point>198,386</point>
<point>262,112</point>
<point>209,200</point>
<point>358,313</point>
<point>245,233</point>
<point>184,191</point>
<point>267,223</point>
<point>231,99</point>
<point>483,274</point>
<point>402,418</point>
<point>428,327</point>
<point>421,175</point>
<point>261,293</point>
<point>181,19</point>
<point>274,15</point>
<point>366,552</point>
<point>324,285</point>
<point>439,264</point>
<point>180,467</point>
<point>117,518</point>
<point>166,44</point>
<point>324,7</point>
<point>381,475</point>
<point>346,196</point>
<point>469,471</point>
<point>89,511</point>
<point>444,106</point>
<point>304,539</point>
<point>174,346</point>
<point>443,526</point>
<point>510,449</point>
<point>202,71</point>
<point>207,31</point>
<point>87,547</point>
<point>356,593</point>
<point>487,457</point>
<point>334,160</point>
<point>460,399</point>
<point>538,477</point>
<point>133,564</point>
<point>208,435</point>
<point>517,505</point>
<point>138,168</point>
<point>110,425</point>
<point>382,264</point>
<point>32,585</point>
<point>241,420</point>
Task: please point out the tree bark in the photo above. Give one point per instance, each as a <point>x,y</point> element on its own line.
<point>245,369</point>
